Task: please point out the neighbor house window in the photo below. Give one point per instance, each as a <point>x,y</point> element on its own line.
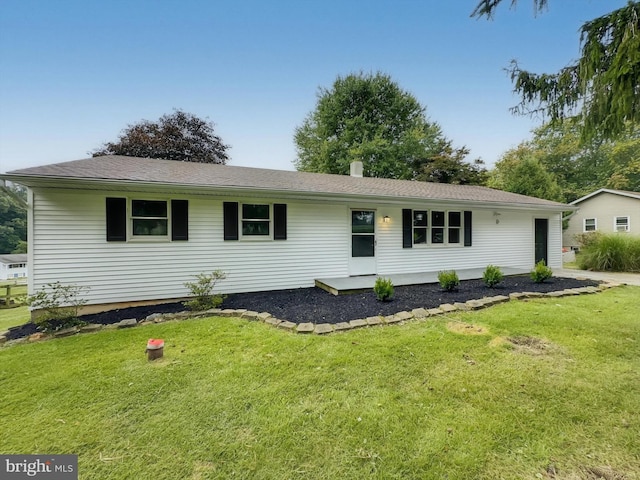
<point>622,224</point>
<point>590,225</point>
<point>17,265</point>
<point>256,220</point>
<point>149,218</point>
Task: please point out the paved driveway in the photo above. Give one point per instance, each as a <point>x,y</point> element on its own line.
<point>628,278</point>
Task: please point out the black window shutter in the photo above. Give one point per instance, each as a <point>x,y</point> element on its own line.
<point>116,219</point>
<point>407,228</point>
<point>467,228</point>
<point>279,221</point>
<point>230,216</point>
<point>179,220</point>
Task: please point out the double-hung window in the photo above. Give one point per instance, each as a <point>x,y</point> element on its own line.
<point>621,224</point>
<point>256,220</point>
<point>420,226</point>
<point>149,218</point>
<point>590,225</point>
<point>138,219</point>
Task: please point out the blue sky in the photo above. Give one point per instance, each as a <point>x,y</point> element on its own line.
<point>74,73</point>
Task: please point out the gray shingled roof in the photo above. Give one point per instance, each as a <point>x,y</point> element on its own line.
<point>13,258</point>
<point>169,172</point>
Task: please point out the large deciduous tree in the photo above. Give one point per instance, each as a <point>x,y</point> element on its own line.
<point>520,172</point>
<point>602,87</point>
<point>368,117</point>
<point>580,167</point>
<point>180,136</point>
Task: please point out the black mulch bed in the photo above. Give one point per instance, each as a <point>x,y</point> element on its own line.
<point>317,306</point>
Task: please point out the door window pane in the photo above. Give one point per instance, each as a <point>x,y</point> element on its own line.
<point>362,246</point>
<point>362,222</point>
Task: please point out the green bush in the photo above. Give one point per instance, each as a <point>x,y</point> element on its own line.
<point>492,276</point>
<point>383,289</point>
<point>618,252</point>
<point>587,239</point>
<point>58,306</point>
<point>541,272</point>
<point>202,291</point>
<point>448,280</point>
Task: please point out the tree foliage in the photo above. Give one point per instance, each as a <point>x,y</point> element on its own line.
<point>13,220</point>
<point>520,172</point>
<point>180,136</point>
<point>368,117</point>
<point>580,167</point>
<point>602,87</point>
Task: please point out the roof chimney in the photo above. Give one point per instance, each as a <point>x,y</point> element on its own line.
<point>356,169</point>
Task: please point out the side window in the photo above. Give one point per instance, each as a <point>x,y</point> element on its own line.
<point>149,218</point>
<point>157,219</point>
<point>256,220</point>
<point>622,224</point>
<point>590,225</point>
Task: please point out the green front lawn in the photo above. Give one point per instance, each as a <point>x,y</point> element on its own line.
<point>428,399</point>
<point>12,317</point>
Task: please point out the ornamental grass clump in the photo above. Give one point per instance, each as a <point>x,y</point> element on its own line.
<point>492,276</point>
<point>448,280</point>
<point>617,252</point>
<point>541,272</point>
<point>383,289</point>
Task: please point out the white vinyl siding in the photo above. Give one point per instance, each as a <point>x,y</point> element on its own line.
<point>508,243</point>
<point>68,244</point>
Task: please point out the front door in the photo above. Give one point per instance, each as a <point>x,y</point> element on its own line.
<point>363,242</point>
<point>541,240</point>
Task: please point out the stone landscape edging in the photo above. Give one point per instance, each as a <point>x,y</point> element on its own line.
<point>313,328</point>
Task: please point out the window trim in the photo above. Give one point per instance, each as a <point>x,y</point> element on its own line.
<point>595,225</point>
<point>627,226</point>
<point>131,218</point>
<point>254,238</point>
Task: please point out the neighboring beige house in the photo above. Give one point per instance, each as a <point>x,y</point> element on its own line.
<point>605,211</point>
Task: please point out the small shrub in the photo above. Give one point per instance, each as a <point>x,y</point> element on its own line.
<point>492,276</point>
<point>541,272</point>
<point>58,306</point>
<point>383,289</point>
<point>618,252</point>
<point>448,280</point>
<point>202,291</point>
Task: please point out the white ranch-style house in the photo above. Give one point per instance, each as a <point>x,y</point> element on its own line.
<point>134,230</point>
